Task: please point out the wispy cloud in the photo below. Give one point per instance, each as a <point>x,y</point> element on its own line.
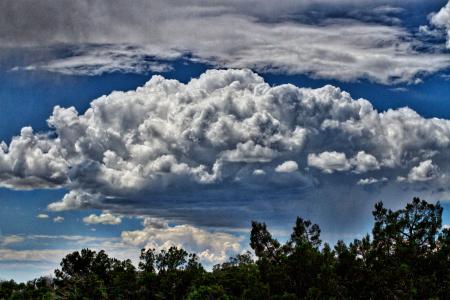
<point>95,60</point>
<point>58,219</point>
<point>11,239</point>
<point>342,40</point>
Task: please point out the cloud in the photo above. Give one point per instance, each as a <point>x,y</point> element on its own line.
<point>32,163</point>
<point>343,40</point>
<point>66,21</point>
<point>364,162</point>
<point>31,255</point>
<point>40,254</point>
<point>91,61</point>
<point>441,19</point>
<point>211,247</point>
<point>104,218</point>
<point>42,216</point>
<point>33,263</point>
<point>259,172</point>
<point>329,162</point>
<point>11,239</point>
<point>73,200</point>
<point>425,171</point>
<point>34,254</point>
<point>58,219</point>
<point>189,152</point>
<point>287,167</point>
<point>371,180</point>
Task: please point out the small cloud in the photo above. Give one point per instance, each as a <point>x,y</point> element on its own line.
<point>425,171</point>
<point>371,180</point>
<point>329,162</point>
<point>11,239</point>
<point>104,218</point>
<point>259,172</point>
<point>287,167</point>
<point>428,31</point>
<point>399,89</point>
<point>388,9</point>
<point>446,77</point>
<point>58,219</point>
<point>364,162</point>
<point>42,216</point>
<point>401,178</point>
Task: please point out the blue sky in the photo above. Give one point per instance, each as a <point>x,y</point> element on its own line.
<point>191,163</point>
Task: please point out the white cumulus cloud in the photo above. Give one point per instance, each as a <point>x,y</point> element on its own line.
<point>287,167</point>
<point>329,162</point>
<point>442,19</point>
<point>211,247</point>
<point>103,218</point>
<point>425,171</point>
<point>159,147</point>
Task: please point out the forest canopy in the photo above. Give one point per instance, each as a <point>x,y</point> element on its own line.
<point>407,256</point>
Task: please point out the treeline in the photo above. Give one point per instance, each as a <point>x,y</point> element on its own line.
<point>406,257</point>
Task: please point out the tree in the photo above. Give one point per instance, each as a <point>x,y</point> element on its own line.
<point>171,260</point>
<point>406,257</point>
<point>124,283</point>
<point>147,279</point>
<point>404,243</point>
<point>7,288</point>
<point>238,276</point>
<point>262,242</point>
<point>211,292</point>
<point>305,233</point>
<point>303,262</point>
<point>84,274</point>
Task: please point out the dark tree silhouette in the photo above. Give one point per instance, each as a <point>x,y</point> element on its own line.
<point>407,256</point>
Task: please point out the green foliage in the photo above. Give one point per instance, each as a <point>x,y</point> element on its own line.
<point>88,274</point>
<point>406,257</point>
<point>211,292</point>
<point>40,288</point>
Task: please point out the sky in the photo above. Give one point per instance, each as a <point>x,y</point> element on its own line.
<point>178,122</point>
